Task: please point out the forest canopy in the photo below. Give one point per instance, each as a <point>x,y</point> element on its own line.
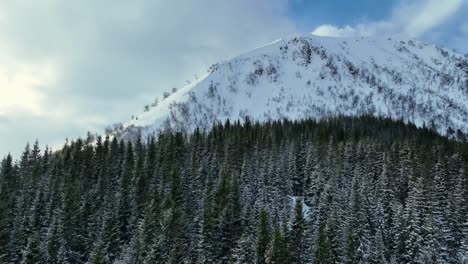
<point>340,190</point>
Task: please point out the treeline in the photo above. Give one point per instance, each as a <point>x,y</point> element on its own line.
<point>342,190</point>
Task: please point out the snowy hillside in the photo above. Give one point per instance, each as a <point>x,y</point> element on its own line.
<point>309,76</point>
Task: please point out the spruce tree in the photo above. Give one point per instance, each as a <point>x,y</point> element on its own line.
<point>280,254</point>
<point>263,237</point>
<point>7,193</point>
<point>323,246</point>
<point>375,191</point>
<point>296,239</point>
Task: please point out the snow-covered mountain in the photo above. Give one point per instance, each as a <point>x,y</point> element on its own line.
<point>307,76</point>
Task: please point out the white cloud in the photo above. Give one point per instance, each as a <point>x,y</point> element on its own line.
<point>412,18</point>
<point>429,15</point>
<point>81,65</point>
<point>351,31</point>
<point>19,88</point>
<point>333,31</point>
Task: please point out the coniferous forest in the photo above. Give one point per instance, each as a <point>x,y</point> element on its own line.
<point>343,190</point>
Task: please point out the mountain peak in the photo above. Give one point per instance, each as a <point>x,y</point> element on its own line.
<point>307,76</point>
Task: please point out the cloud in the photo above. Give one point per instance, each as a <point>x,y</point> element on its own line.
<point>411,18</point>
<point>429,15</point>
<point>28,127</point>
<point>351,31</point>
<point>17,87</point>
<point>105,59</point>
<point>333,31</point>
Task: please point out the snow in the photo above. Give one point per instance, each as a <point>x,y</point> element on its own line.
<point>305,207</point>
<point>306,76</point>
<point>155,115</point>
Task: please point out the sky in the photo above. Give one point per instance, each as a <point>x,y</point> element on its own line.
<point>68,67</point>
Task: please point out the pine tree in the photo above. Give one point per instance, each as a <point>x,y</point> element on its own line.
<point>323,246</point>
<point>375,191</point>
<point>245,251</point>
<point>32,252</point>
<point>140,181</point>
<point>279,249</point>
<point>413,219</point>
<point>378,248</point>
<point>124,196</point>
<point>98,254</point>
<point>443,235</point>
<point>387,203</point>
<point>7,190</point>
<point>296,240</point>
<point>232,222</point>
<point>133,252</point>
<point>263,237</point>
<point>151,226</point>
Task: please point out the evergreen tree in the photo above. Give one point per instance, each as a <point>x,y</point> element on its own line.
<point>263,237</point>
<point>280,254</point>
<point>323,246</point>
<point>375,191</point>
<point>296,240</point>
<point>7,189</point>
<point>413,219</point>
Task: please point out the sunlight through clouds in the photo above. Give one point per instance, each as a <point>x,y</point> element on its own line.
<point>19,88</point>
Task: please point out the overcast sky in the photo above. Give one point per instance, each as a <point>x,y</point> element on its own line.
<point>68,67</point>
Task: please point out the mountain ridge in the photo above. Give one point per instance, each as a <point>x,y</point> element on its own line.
<point>306,76</point>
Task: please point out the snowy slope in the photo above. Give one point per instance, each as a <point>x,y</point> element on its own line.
<point>309,76</point>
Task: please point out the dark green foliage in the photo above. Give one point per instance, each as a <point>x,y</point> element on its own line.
<point>296,238</point>
<point>323,254</point>
<point>263,237</point>
<point>366,190</point>
<point>7,189</point>
<point>280,254</point>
